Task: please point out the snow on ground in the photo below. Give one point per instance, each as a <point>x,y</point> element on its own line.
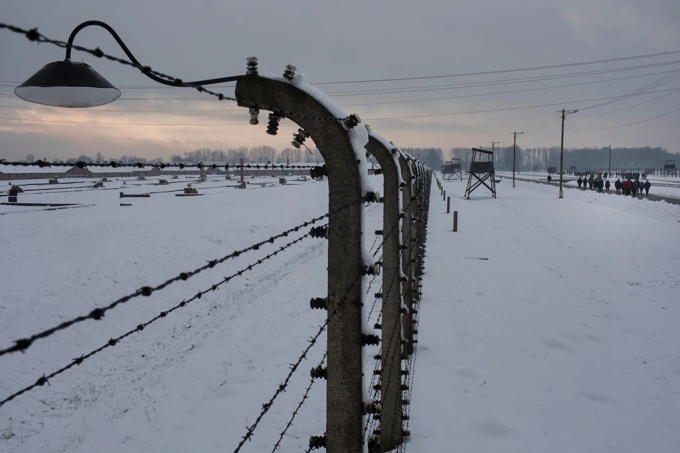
<point>563,339</point>
<point>661,185</point>
<point>195,379</point>
<point>549,325</point>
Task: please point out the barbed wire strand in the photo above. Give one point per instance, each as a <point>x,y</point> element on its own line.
<point>34,36</point>
<point>293,368</point>
<point>98,313</point>
<point>297,409</point>
<point>114,341</point>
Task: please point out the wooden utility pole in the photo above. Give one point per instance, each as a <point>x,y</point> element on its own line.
<point>514,144</point>
<point>564,114</point>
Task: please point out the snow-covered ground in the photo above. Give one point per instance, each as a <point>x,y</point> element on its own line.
<point>663,186</point>
<point>549,325</point>
<point>563,339</point>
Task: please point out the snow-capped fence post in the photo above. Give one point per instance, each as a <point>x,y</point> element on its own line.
<point>334,139</point>
<point>408,193</point>
<point>390,374</point>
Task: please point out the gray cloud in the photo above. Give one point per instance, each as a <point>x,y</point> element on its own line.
<point>331,41</point>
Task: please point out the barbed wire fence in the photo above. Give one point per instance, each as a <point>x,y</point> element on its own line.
<point>335,304</point>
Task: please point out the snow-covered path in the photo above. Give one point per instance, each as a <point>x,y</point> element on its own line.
<point>563,338</point>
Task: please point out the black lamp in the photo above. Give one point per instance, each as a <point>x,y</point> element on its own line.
<point>67,84</point>
<point>70,84</point>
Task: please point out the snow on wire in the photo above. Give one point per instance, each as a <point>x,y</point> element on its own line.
<point>98,313</point>
<point>114,341</point>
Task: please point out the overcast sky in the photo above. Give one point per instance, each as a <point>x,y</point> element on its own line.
<point>346,41</point>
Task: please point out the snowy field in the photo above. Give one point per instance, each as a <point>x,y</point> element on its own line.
<point>563,339</point>
<point>549,325</point>
<point>663,186</point>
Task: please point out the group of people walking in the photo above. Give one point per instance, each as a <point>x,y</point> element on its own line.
<point>628,187</point>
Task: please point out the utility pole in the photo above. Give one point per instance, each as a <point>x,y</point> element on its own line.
<point>564,114</point>
<point>609,173</point>
<point>514,144</point>
<point>492,153</point>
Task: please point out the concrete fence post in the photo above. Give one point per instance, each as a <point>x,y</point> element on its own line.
<point>390,375</point>
<point>344,378</point>
<point>409,200</point>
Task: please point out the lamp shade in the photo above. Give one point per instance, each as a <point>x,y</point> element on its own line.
<point>67,84</point>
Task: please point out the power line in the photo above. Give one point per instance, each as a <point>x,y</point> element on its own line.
<point>580,117</point>
<point>489,94</point>
<point>418,88</point>
<point>512,108</point>
<point>663,115</point>
<point>501,71</point>
<point>347,105</point>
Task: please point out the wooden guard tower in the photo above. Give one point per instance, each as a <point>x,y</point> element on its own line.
<point>481,168</point>
<point>452,169</point>
<point>669,168</point>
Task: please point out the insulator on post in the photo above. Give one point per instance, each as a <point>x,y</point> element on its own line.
<point>369,340</point>
<point>404,387</point>
<point>319,232</point>
<point>317,442</point>
<point>251,66</point>
<point>289,73</point>
<point>273,126</point>
<point>394,150</point>
<point>372,197</point>
<point>378,232</point>
<point>318,172</point>
<point>404,372</point>
<point>371,269</point>
<point>374,445</point>
<point>319,372</point>
<point>299,138</point>
<point>371,408</point>
<point>377,171</point>
<point>254,111</point>
<point>377,326</point>
<point>378,295</point>
<point>351,121</point>
<point>377,372</point>
<point>406,433</point>
<point>405,402</point>
<point>320,303</point>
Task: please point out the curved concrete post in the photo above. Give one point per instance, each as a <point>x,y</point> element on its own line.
<point>344,394</point>
<point>390,376</point>
<point>406,264</point>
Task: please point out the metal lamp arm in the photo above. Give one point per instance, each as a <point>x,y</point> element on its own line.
<point>135,62</point>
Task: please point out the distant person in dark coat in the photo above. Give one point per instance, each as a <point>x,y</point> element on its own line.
<point>549,179</point>
<point>647,186</point>
<point>579,181</point>
<point>617,186</point>
<point>607,185</point>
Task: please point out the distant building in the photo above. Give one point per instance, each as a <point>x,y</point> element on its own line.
<point>12,172</point>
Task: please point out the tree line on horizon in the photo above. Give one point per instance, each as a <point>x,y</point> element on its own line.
<point>526,158</point>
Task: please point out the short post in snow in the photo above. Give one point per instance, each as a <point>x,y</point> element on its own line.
<point>448,205</point>
<point>455,220</point>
